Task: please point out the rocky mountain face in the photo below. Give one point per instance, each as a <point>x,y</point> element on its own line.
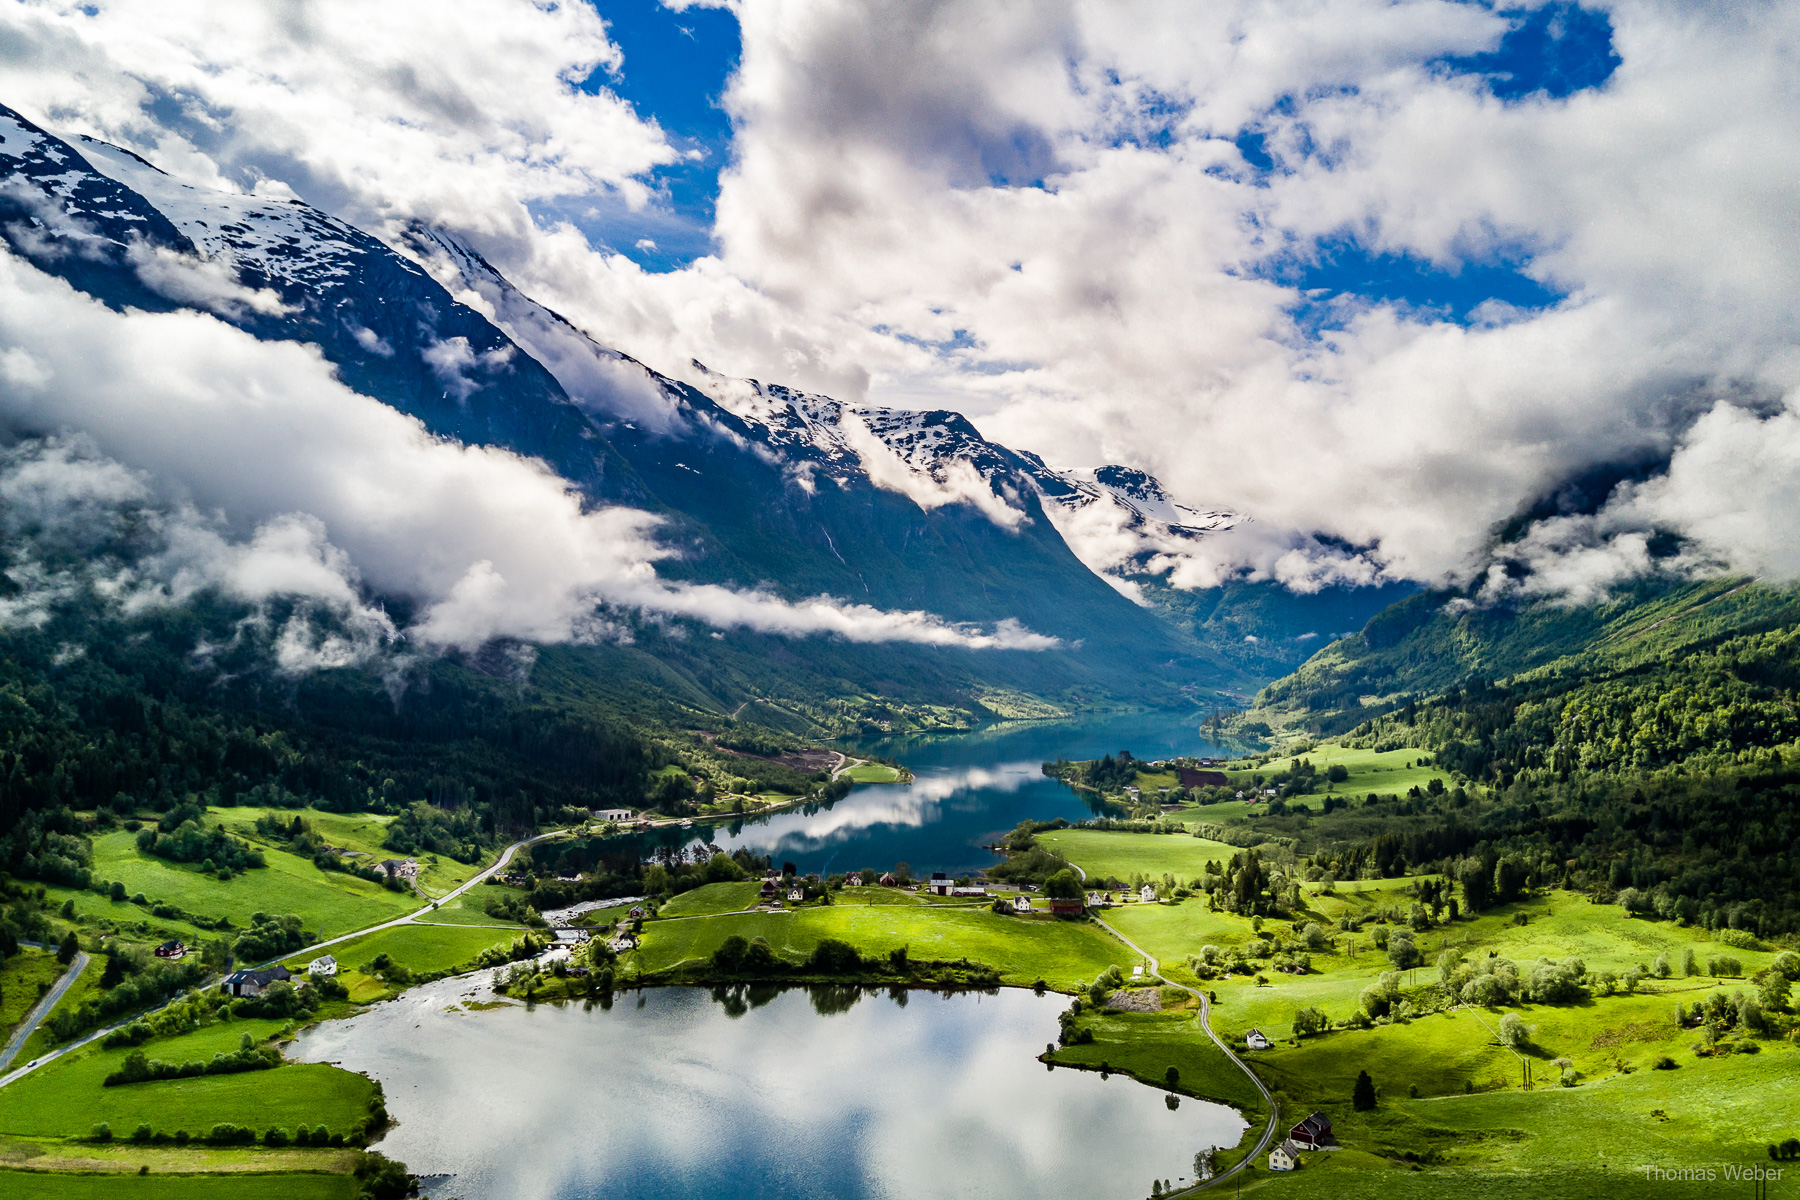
<point>760,484</point>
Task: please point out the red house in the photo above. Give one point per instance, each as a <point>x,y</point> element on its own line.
<point>1065,908</point>
<point>1314,1133</point>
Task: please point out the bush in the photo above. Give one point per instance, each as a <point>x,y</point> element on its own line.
<point>834,957</point>
<point>101,1132</point>
<point>1725,967</point>
<point>1663,1063</point>
<point>1308,1021</point>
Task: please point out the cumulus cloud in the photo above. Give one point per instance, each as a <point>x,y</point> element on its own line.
<point>1040,213</point>
<point>323,493</point>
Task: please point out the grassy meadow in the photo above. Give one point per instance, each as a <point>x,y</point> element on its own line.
<point>1104,854</point>
<point>23,977</point>
<point>872,773</point>
<point>66,1098</point>
<point>421,949</point>
<point>328,902</point>
<point>34,1185</point>
<point>1022,950</point>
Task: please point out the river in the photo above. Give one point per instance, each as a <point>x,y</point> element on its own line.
<point>967,790</point>
<point>677,1092</point>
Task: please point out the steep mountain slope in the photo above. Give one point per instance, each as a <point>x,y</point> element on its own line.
<point>747,502</point>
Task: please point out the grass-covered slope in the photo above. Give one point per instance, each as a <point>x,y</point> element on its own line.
<point>1434,641</point>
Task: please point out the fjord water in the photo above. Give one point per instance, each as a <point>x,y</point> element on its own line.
<point>967,790</point>
<point>838,1095</point>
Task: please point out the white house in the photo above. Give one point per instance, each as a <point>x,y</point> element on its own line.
<point>1148,894</point>
<point>1137,972</point>
<point>941,884</point>
<point>1254,1040</point>
<point>796,895</point>
<point>1021,904</point>
<point>613,814</point>
<point>324,965</point>
<point>1284,1157</point>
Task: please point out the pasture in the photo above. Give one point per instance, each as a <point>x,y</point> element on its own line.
<point>66,1098</point>
<point>328,902</point>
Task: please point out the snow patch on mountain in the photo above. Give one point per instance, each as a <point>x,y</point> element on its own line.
<point>933,458</point>
<point>603,382</point>
<point>1121,523</point>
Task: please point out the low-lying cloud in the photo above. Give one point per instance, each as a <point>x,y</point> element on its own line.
<point>307,489</point>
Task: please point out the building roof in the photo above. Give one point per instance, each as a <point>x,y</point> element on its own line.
<point>1317,1123</point>
<point>1288,1148</point>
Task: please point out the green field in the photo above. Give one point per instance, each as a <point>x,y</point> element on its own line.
<point>87,985</point>
<point>362,832</point>
<point>1103,854</point>
<point>31,1185</point>
<point>329,902</point>
<point>872,773</point>
<point>422,949</point>
<point>466,909</point>
<point>66,1098</point>
<point>1023,951</point>
<point>713,898</point>
<point>1385,773</point>
<point>22,978</point>
<point>1148,1044</point>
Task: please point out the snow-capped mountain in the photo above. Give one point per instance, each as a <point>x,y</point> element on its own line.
<point>755,484</point>
<point>1114,518</point>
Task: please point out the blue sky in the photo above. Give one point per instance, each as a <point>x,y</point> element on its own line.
<point>676,67</point>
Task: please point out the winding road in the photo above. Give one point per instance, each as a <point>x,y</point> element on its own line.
<point>1268,1134</point>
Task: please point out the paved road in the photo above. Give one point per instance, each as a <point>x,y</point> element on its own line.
<point>1268,1134</point>
<point>410,918</point>
<point>44,1006</point>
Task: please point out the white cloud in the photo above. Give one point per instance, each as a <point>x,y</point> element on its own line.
<point>883,234</point>
<point>328,491</point>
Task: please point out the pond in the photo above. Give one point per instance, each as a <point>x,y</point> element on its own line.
<point>835,1094</point>
<point>966,792</point>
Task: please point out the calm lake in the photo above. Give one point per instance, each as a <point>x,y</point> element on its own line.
<point>680,1092</point>
<point>966,792</point>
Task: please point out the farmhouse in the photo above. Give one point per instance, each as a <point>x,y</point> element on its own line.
<point>323,966</point>
<point>1191,778</point>
<point>253,983</point>
<point>637,913</point>
<point>171,950</point>
<point>1065,908</point>
<point>1021,904</point>
<point>1147,894</point>
<point>941,884</point>
<point>768,889</point>
<point>888,880</point>
<point>1254,1040</point>
<point>796,895</point>
<point>1314,1133</point>
<point>1284,1157</point>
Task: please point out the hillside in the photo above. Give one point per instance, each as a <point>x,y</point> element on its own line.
<point>1434,641</point>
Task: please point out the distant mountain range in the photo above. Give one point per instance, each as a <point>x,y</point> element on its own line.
<point>760,484</point>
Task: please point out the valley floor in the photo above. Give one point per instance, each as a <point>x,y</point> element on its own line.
<point>1451,1112</point>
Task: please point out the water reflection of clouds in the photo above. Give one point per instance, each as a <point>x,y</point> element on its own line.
<point>678,1098</point>
<point>889,805</point>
